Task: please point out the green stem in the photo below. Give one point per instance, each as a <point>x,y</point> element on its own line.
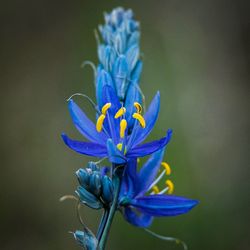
<point>104,237</point>
<point>102,224</point>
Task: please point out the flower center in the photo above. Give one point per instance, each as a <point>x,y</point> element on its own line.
<point>120,113</point>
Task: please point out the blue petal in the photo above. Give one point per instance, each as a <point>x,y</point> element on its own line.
<point>149,171</point>
<point>150,147</point>
<point>109,95</point>
<point>114,154</point>
<point>86,148</point>
<point>150,118</point>
<point>111,124</point>
<point>133,95</point>
<point>84,125</point>
<point>129,180</point>
<point>103,78</point>
<point>163,205</point>
<point>138,220</point>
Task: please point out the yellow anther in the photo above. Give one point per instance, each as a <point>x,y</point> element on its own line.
<point>105,108</point>
<point>170,186</point>
<point>138,160</point>
<point>155,189</point>
<point>123,126</point>
<point>140,119</point>
<point>138,107</point>
<point>119,146</point>
<point>120,112</point>
<point>167,168</point>
<point>99,123</point>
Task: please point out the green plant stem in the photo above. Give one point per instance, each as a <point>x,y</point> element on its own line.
<point>104,237</point>
<point>102,224</point>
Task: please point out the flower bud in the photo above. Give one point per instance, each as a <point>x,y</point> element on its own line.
<point>107,189</point>
<point>83,177</point>
<point>86,239</point>
<point>95,184</point>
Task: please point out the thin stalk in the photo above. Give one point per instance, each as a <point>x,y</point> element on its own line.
<point>102,224</point>
<point>104,237</point>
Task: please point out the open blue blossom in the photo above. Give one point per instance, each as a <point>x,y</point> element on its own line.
<point>140,197</point>
<point>111,135</point>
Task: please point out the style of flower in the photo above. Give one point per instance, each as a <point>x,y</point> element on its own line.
<point>140,198</point>
<point>119,130</point>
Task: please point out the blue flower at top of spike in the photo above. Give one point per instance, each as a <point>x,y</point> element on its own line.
<point>119,53</point>
<point>119,130</point>
<point>140,197</point>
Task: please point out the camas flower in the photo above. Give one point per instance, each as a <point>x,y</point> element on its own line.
<point>140,198</point>
<point>119,130</point>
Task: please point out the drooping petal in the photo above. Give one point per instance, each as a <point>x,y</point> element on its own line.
<point>163,205</point>
<point>136,219</point>
<point>84,125</point>
<point>149,171</point>
<point>114,154</point>
<point>86,148</point>
<point>150,118</point>
<point>150,147</point>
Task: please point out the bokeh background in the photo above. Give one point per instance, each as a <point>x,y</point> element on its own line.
<point>195,52</point>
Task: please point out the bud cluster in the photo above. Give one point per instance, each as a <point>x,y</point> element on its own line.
<point>119,53</point>
<point>96,188</point>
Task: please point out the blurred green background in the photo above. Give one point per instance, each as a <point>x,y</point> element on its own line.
<point>195,52</point>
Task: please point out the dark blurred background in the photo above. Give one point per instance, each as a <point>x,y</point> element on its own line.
<point>195,52</point>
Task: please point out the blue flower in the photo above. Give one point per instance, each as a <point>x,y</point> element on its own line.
<point>140,198</point>
<point>119,130</point>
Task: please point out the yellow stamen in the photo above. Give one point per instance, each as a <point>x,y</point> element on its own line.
<point>138,107</point>
<point>105,108</point>
<point>167,168</point>
<point>123,126</point>
<point>120,112</point>
<point>99,123</point>
<point>155,189</point>
<point>140,119</point>
<point>170,186</point>
<point>119,146</point>
<point>138,160</point>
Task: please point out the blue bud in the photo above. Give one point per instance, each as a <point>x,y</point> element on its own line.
<point>132,56</point>
<point>86,239</point>
<point>109,58</point>
<point>120,73</point>
<point>88,198</point>
<point>83,177</point>
<point>120,42</point>
<point>92,165</point>
<point>136,73</point>
<point>134,39</point>
<point>102,79</point>
<point>95,184</point>
<point>101,53</point>
<point>107,189</point>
